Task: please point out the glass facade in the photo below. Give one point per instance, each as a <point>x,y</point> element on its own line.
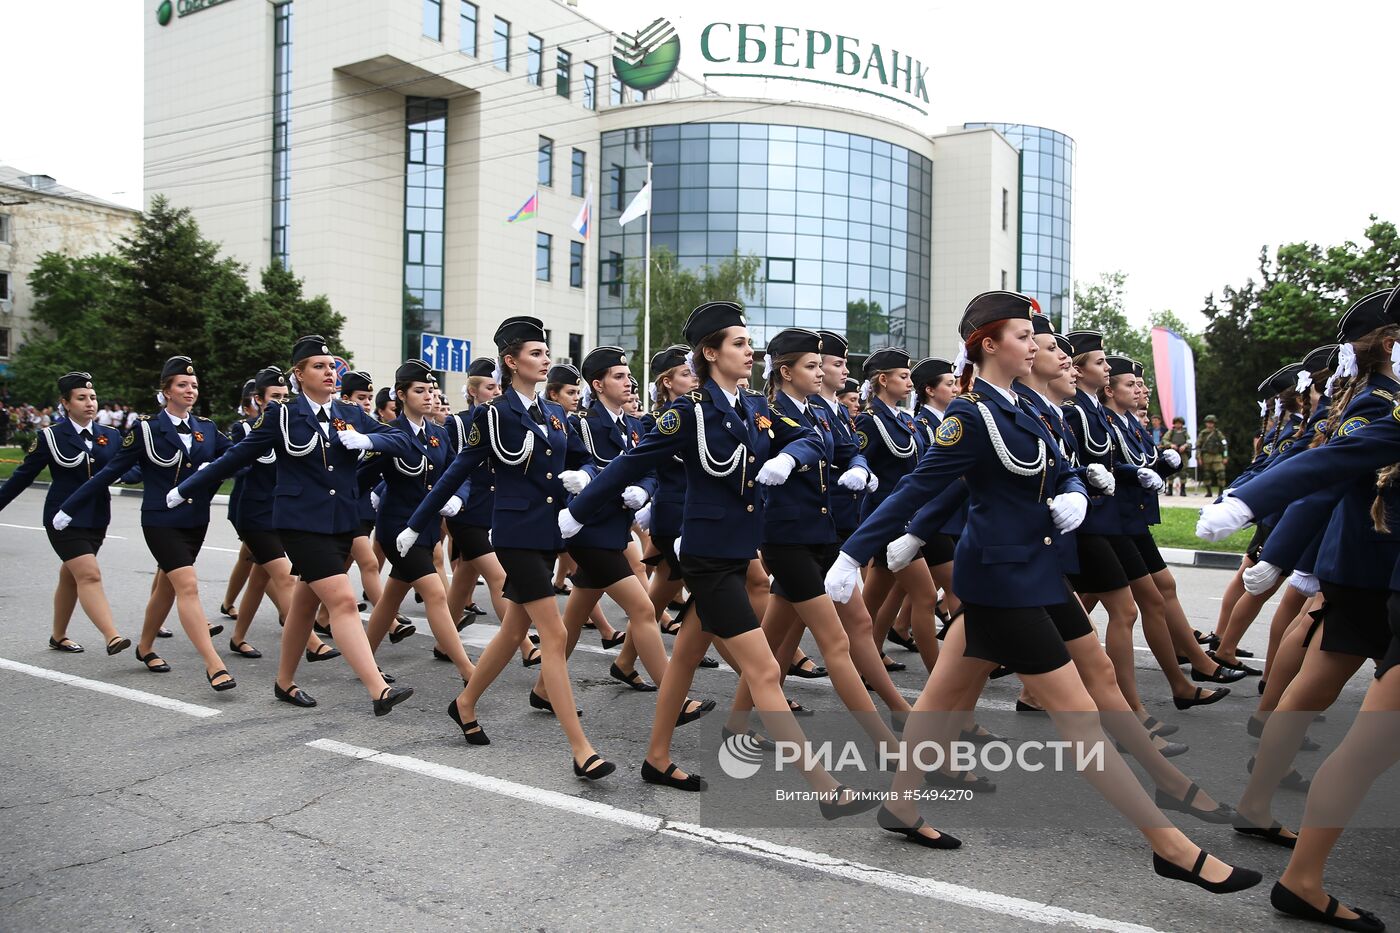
<point>534,59</point>
<point>281,129</point>
<point>466,28</point>
<point>425,159</point>
<point>1047,196</point>
<point>841,224</point>
<point>432,19</point>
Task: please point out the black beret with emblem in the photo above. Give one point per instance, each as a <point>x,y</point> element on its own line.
<point>1085,341</point>
<point>1322,358</point>
<point>564,374</point>
<point>633,384</point>
<point>482,367</point>
<point>307,347</point>
<point>886,358</point>
<point>850,385</point>
<point>1120,366</point>
<point>414,370</point>
<point>711,318</point>
<point>1392,304</point>
<point>250,388</point>
<point>356,381</point>
<point>929,370</point>
<point>1041,324</point>
<point>990,307</point>
<point>668,359</point>
<point>1138,369</point>
<point>521,328</point>
<point>833,344</point>
<point>794,340</point>
<point>177,366</point>
<point>70,381</point>
<point>598,361</point>
<point>1373,311</point>
<point>1063,343</point>
<point>381,399</point>
<point>268,377</point>
<point>1286,377</point>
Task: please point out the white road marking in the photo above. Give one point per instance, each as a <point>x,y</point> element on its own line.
<point>39,528</point>
<point>126,693</point>
<point>747,846</point>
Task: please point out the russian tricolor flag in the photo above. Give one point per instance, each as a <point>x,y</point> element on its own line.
<point>585,215</point>
<point>1174,366</point>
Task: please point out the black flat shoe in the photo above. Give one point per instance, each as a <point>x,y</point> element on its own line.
<point>834,809</point>
<point>533,659</point>
<point>797,709</point>
<point>652,775</point>
<point>693,714</point>
<point>164,632</point>
<point>1242,653</point>
<point>539,702</point>
<point>362,605</point>
<point>324,653</point>
<point>1211,641</point>
<point>466,619</point>
<point>1001,671</point>
<point>633,680</point>
<point>160,667</point>
<point>405,630</point>
<point>1223,813</point>
<point>388,678</point>
<point>974,735</point>
<point>534,639</point>
<point>471,731</point>
<point>1286,902</point>
<point>226,685</point>
<point>1156,727</point>
<point>709,662</point>
<point>1236,664</point>
<point>978,783</point>
<point>594,769</point>
<point>476,610</point>
<point>1222,675</point>
<point>243,649</point>
<point>891,665</point>
<point>216,629</point>
<point>295,696</point>
<point>906,643</point>
<point>1255,728</point>
<point>1168,749</point>
<point>617,639</point>
<point>675,605</point>
<point>1291,781</point>
<point>892,824</point>
<point>562,591</point>
<point>759,741</point>
<point>391,697</point>
<point>800,669</point>
<point>1262,684</point>
<point>323,630</point>
<point>1199,698</point>
<point>1272,833</point>
<point>1024,707</point>
<point>67,645</point>
<point>228,612</point>
<point>439,654</point>
<point>118,644</point>
<point>1238,880</point>
<point>672,627</point>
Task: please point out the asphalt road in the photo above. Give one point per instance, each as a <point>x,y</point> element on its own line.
<point>230,811</point>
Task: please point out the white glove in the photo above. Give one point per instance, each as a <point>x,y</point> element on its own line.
<point>1172,457</point>
<point>842,578</point>
<point>61,520</point>
<point>1260,577</point>
<point>677,548</point>
<point>568,525</point>
<point>900,552</point>
<point>776,471</point>
<point>854,479</point>
<point>201,466</point>
<point>874,483</point>
<point>643,518</point>
<point>351,439</point>
<point>451,507</point>
<point>1149,480</point>
<point>574,481</point>
<point>1067,511</point>
<point>374,500</point>
<point>1101,478</point>
<point>634,497</point>
<point>173,498</point>
<point>405,541</point>
<point>1221,519</point>
<point>1304,583</point>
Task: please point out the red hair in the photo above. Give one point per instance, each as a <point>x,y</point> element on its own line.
<point>973,348</point>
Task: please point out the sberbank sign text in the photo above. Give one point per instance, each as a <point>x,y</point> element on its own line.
<point>183,8</point>
<point>791,53</point>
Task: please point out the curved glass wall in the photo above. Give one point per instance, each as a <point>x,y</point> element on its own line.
<point>1047,194</point>
<point>841,224</point>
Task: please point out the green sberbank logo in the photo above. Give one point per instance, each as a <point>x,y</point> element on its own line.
<point>164,12</point>
<point>647,58</point>
<point>167,8</point>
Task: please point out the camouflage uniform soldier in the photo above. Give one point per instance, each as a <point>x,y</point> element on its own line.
<point>1214,455</point>
<point>1178,440</point>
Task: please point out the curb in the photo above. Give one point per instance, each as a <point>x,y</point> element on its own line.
<point>219,498</point>
<point>1209,560</point>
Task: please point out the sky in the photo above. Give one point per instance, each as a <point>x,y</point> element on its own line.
<point>1204,130</point>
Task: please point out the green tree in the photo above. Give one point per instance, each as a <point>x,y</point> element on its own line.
<point>677,290</point>
<point>864,319</point>
<point>70,295</point>
<point>1100,307</point>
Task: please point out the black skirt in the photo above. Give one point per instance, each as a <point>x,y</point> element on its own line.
<point>940,549</point>
<point>469,541</point>
<point>1392,652</point>
<point>75,542</point>
<point>1355,621</point>
<point>414,565</point>
<point>718,592</point>
<point>316,556</point>
<point>1151,556</point>
<point>1129,557</point>
<point>1026,640</point>
<point>799,570</point>
<point>174,548</point>
<point>1256,543</point>
<point>1100,571</point>
<point>366,530</point>
<point>529,574</point>
<point>665,553</point>
<point>598,568</point>
<point>265,546</point>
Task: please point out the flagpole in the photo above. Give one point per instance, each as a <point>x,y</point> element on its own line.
<point>533,250</point>
<point>646,287</point>
<point>588,235</point>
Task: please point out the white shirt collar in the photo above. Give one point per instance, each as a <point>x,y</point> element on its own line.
<point>614,415</point>
<point>526,400</point>
<point>419,426</point>
<point>935,411</point>
<point>1046,399</point>
<point>176,421</point>
<point>1008,394</point>
<point>801,403</point>
<point>833,404</point>
<point>1093,398</point>
<point>732,397</point>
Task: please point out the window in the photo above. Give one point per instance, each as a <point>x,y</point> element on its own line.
<point>424,219</point>
<point>4,228</point>
<point>579,174</point>
<point>615,91</point>
<point>612,274</point>
<point>590,86</point>
<point>575,264</point>
<point>576,349</point>
<point>4,343</point>
<point>534,59</point>
<point>619,190</point>
<point>1005,216</point>
<point>5,286</point>
<point>432,19</point>
<point>281,131</point>
<point>466,37</point>
<point>1003,279</point>
<point>544,243</point>
<point>501,52</point>
<point>563,73</point>
<point>546,174</point>
<point>780,270</point>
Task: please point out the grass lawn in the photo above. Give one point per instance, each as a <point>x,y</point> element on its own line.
<point>1178,529</point>
<point>11,457</point>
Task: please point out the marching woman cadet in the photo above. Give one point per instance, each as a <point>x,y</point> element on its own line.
<point>799,539</point>
<point>407,479</point>
<point>243,565</point>
<point>528,445</point>
<point>1355,561</point>
<point>470,529</point>
<point>71,450</point>
<point>317,439</point>
<point>1017,608</point>
<point>890,442</point>
<point>732,445</point>
<point>168,447</point>
<point>936,387</point>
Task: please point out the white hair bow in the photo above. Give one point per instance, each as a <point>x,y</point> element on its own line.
<point>960,361</point>
<point>1304,380</point>
<point>651,392</point>
<point>1278,408</point>
<point>767,366</point>
<point>690,360</point>
<point>496,373</point>
<point>1346,361</point>
<point>160,398</point>
<point>586,398</point>
<point>466,392</point>
<point>865,391</point>
<point>1263,409</point>
<point>1395,355</point>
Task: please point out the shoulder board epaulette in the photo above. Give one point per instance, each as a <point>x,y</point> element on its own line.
<point>752,392</point>
<point>1068,402</point>
<point>1388,396</point>
<point>145,418</point>
<point>787,421</point>
<point>971,396</point>
<point>697,395</point>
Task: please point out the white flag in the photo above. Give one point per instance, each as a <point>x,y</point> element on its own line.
<point>640,205</point>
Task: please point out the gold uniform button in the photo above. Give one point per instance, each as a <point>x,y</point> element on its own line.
<point>751,460</point>
<point>549,500</point>
<point>1049,541</point>
<point>750,484</point>
<point>750,508</point>
<point>549,476</point>
<point>1142,508</point>
<point>823,510</point>
<point>430,466</point>
<point>549,453</point>
<point>430,485</point>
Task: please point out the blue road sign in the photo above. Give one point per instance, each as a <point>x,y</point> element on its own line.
<point>446,354</point>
